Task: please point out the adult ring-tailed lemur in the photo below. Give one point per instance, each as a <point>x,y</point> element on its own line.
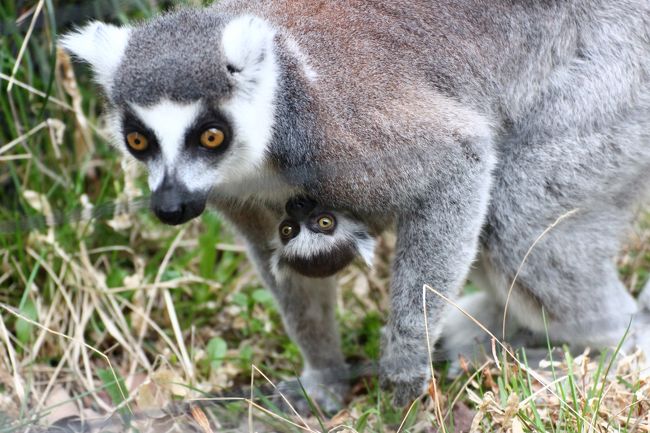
<point>467,127</point>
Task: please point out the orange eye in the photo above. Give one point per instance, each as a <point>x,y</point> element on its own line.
<point>137,141</point>
<point>326,222</point>
<point>212,138</point>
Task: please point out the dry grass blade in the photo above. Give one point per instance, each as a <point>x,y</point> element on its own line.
<point>439,416</point>
<point>171,311</point>
<point>36,92</point>
<point>463,388</point>
<point>201,419</point>
<point>23,137</point>
<point>17,381</point>
<point>54,379</point>
<point>286,400</point>
<point>23,47</point>
<point>84,143</point>
<point>187,363</point>
<point>408,412</point>
<point>15,157</point>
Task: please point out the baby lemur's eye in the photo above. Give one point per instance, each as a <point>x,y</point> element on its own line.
<point>137,141</point>
<point>326,222</point>
<point>288,230</point>
<point>212,138</point>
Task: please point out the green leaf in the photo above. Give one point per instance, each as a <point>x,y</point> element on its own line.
<point>207,244</point>
<point>114,385</point>
<point>115,277</point>
<point>171,274</point>
<point>240,299</point>
<point>227,266</point>
<point>216,351</point>
<point>24,328</point>
<point>263,296</point>
<point>246,353</point>
<point>362,422</point>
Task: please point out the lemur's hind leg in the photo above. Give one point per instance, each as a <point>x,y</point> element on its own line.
<point>641,329</point>
<point>568,288</point>
<point>463,336</point>
<point>568,198</point>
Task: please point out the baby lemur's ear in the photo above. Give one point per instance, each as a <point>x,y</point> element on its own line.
<point>366,246</point>
<point>248,45</point>
<point>100,45</point>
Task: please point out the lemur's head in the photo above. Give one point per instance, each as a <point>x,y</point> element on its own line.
<point>318,242</point>
<point>191,95</point>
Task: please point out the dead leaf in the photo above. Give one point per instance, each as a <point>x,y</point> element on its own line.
<point>201,419</point>
<point>62,406</point>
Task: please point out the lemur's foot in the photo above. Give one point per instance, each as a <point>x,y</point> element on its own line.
<point>644,298</point>
<point>403,368</point>
<point>326,389</point>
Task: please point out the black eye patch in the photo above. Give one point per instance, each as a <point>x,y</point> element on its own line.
<point>288,230</point>
<point>132,123</point>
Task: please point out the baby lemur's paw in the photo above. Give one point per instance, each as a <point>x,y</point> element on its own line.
<point>403,368</point>
<point>326,389</point>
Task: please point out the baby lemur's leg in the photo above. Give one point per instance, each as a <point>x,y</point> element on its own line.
<point>307,306</point>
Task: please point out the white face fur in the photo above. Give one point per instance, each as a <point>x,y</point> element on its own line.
<point>247,47</point>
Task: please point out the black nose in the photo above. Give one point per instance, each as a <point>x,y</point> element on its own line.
<point>171,213</point>
<point>173,204</point>
<point>300,207</point>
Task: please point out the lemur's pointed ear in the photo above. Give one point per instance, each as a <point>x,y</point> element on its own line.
<point>248,44</point>
<point>101,45</point>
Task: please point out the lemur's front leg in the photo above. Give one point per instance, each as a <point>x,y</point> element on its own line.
<point>436,244</point>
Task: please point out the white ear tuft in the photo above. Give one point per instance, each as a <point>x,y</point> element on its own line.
<point>247,41</point>
<point>247,46</point>
<point>367,249</point>
<point>101,45</point>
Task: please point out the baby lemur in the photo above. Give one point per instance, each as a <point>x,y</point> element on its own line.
<point>319,242</point>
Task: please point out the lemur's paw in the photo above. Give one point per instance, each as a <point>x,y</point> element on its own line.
<point>326,390</point>
<point>403,367</point>
<point>406,382</point>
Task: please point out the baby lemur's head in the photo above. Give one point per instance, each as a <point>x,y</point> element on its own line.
<point>318,242</point>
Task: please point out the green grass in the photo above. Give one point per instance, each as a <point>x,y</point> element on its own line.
<point>106,281</point>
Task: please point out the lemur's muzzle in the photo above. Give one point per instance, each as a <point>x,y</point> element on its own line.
<point>174,204</point>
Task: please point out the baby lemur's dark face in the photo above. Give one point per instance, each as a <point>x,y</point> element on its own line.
<point>318,242</point>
